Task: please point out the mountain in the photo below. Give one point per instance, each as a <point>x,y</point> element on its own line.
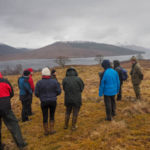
<point>73,49</point>
<point>137,48</point>
<point>6,50</point>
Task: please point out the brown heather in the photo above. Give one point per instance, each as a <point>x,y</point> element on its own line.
<point>129,130</point>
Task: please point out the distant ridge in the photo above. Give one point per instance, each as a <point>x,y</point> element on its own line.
<point>9,50</point>
<point>71,49</point>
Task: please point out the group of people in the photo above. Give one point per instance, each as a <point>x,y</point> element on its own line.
<point>111,81</point>
<point>48,88</point>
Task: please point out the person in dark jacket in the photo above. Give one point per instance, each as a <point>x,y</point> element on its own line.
<point>119,70</point>
<point>73,87</point>
<point>47,90</point>
<point>109,87</point>
<point>6,93</point>
<point>53,74</point>
<point>25,94</point>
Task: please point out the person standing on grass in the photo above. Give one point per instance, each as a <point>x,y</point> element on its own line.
<point>6,113</point>
<point>32,87</point>
<point>109,87</point>
<point>73,87</point>
<point>122,77</point>
<point>136,76</point>
<point>25,94</point>
<point>47,90</point>
<point>53,74</point>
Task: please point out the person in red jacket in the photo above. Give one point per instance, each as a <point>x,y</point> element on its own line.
<point>6,93</point>
<point>33,88</point>
<point>30,79</point>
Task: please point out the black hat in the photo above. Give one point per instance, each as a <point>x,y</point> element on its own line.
<point>106,64</point>
<point>53,71</point>
<point>26,73</point>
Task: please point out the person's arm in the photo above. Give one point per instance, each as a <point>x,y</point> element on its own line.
<point>58,89</point>
<point>10,89</point>
<point>118,82</point>
<point>81,84</point>
<point>139,72</point>
<point>27,87</point>
<point>63,84</point>
<point>101,87</point>
<point>37,92</point>
<point>31,84</point>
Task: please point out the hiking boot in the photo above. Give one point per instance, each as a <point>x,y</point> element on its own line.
<point>67,117</point>
<point>74,128</point>
<point>52,131</point>
<point>23,145</point>
<point>113,114</point>
<point>45,126</point>
<point>74,121</point>
<point>108,119</point>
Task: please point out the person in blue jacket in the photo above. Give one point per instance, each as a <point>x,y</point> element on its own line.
<point>25,94</point>
<point>109,87</point>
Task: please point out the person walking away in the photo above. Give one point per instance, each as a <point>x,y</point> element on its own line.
<point>32,87</point>
<point>122,77</point>
<point>136,77</point>
<point>109,87</point>
<point>53,74</point>
<point>6,113</point>
<point>73,87</point>
<point>25,94</point>
<point>47,90</point>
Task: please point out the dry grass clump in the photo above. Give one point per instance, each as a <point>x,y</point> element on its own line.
<point>139,107</point>
<point>129,129</point>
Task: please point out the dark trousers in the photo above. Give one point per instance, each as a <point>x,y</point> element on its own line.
<point>110,106</point>
<point>51,107</point>
<point>25,107</point>
<point>119,96</point>
<point>12,124</point>
<point>30,106</point>
<point>75,110</point>
<point>25,100</point>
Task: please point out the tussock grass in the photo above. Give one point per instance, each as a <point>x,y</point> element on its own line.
<point>129,130</point>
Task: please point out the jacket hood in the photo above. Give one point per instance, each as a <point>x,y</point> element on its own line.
<point>106,64</point>
<point>71,72</point>
<point>1,75</point>
<point>116,63</point>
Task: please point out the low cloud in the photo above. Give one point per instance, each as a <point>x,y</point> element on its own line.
<point>36,23</point>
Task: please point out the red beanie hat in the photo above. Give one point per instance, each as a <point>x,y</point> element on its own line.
<point>30,69</point>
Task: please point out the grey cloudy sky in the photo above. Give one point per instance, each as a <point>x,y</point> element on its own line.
<point>36,23</point>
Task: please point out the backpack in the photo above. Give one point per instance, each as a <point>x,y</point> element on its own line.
<point>124,74</point>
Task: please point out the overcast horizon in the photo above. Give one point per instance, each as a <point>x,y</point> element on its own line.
<point>39,23</point>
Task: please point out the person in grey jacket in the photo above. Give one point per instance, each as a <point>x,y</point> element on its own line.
<point>47,90</point>
<point>73,87</point>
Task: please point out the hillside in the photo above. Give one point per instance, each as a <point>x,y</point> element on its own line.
<point>137,48</point>
<point>73,49</point>
<point>129,130</point>
<point>6,50</point>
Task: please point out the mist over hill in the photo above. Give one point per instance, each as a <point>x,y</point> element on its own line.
<point>71,49</point>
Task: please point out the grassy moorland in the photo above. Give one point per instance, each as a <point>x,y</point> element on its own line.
<point>129,130</point>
